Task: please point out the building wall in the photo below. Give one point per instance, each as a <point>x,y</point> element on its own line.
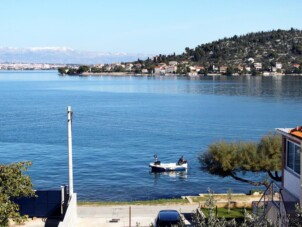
<point>272,214</point>
<point>292,183</point>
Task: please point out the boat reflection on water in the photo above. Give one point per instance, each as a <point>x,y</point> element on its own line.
<point>173,174</point>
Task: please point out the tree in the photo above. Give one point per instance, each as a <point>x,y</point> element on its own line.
<point>83,68</point>
<point>230,70</point>
<point>119,69</point>
<point>254,72</point>
<point>62,70</point>
<point>205,72</point>
<point>13,184</point>
<point>236,158</point>
<point>137,71</point>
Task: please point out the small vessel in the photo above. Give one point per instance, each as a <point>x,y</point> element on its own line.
<point>157,166</point>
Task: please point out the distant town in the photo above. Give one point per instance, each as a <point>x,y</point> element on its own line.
<point>170,68</point>
<point>30,66</point>
<point>180,68</point>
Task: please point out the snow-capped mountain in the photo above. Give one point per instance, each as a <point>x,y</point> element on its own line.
<point>63,55</point>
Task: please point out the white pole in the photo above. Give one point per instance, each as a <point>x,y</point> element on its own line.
<point>70,171</point>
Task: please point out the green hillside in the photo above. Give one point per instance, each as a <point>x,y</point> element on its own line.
<point>284,46</point>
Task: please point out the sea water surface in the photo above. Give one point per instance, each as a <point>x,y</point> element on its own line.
<point>119,123</point>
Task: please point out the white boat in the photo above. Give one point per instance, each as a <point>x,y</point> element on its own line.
<point>157,166</point>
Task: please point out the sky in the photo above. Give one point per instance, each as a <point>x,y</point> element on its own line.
<point>139,26</point>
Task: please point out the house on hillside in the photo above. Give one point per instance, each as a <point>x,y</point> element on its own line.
<point>223,69</point>
<point>215,68</point>
<point>278,65</point>
<point>295,66</point>
<point>108,68</point>
<point>99,66</point>
<point>199,68</point>
<point>278,202</point>
<point>128,67</point>
<point>258,65</point>
<point>248,69</point>
<point>145,71</point>
<point>159,70</point>
<point>170,69</point>
<point>138,66</point>
<point>173,63</point>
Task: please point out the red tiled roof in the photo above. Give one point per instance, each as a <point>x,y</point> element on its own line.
<point>297,132</point>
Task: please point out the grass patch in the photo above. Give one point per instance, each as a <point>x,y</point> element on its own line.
<point>223,212</point>
<point>198,199</point>
<point>144,202</point>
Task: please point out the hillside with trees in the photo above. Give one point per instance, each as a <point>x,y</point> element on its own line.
<point>268,48</point>
<point>276,51</point>
<point>283,46</point>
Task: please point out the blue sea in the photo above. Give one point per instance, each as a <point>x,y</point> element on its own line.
<point>119,123</point>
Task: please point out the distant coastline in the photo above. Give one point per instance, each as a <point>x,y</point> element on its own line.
<point>111,74</point>
<point>167,74</point>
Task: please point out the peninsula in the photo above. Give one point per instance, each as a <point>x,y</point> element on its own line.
<point>274,52</point>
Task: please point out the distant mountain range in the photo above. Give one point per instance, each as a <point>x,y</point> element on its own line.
<point>269,47</point>
<point>63,55</point>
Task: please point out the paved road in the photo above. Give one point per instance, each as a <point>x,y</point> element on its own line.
<point>104,216</point>
<point>117,216</point>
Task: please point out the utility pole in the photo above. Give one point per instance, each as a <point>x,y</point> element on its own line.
<point>70,170</point>
<point>129,216</point>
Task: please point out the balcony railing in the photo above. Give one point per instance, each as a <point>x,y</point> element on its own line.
<point>272,197</point>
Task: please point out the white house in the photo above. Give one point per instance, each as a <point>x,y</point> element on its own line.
<point>223,69</point>
<point>108,68</point>
<point>170,69</point>
<point>215,68</point>
<point>173,63</point>
<point>99,66</point>
<point>278,65</point>
<point>278,202</point>
<point>258,65</point>
<point>291,160</point>
<point>248,69</point>
<point>128,67</point>
<point>198,68</point>
<point>138,65</point>
<point>144,70</point>
<point>159,70</point>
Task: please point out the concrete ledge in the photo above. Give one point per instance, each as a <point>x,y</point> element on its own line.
<point>70,218</point>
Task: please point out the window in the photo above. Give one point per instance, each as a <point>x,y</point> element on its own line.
<point>290,154</point>
<point>293,157</point>
<point>297,159</point>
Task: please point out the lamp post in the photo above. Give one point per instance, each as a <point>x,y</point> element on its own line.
<point>70,170</point>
